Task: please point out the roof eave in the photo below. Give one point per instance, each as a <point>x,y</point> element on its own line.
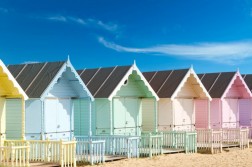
<point>132,68</point>
<point>190,71</point>
<point>13,80</point>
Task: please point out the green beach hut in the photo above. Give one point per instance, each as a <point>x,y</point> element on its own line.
<point>125,103</point>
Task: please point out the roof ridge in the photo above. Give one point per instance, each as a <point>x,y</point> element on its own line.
<point>36,77</point>
<point>153,76</point>
<point>165,81</point>
<point>93,76</point>
<point>214,82</point>
<point>21,71</point>
<point>105,80</point>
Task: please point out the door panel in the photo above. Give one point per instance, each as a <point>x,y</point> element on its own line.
<point>230,113</point>
<point>119,115</point>
<point>245,112</point>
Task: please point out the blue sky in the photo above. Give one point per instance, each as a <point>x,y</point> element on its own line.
<point>211,35</point>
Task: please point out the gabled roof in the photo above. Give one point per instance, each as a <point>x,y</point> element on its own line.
<point>248,79</point>
<point>217,84</point>
<point>105,82</point>
<point>168,83</point>
<point>9,85</point>
<point>37,79</point>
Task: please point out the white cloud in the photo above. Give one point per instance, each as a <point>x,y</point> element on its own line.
<point>58,18</point>
<point>111,27</point>
<point>229,52</point>
<point>30,62</point>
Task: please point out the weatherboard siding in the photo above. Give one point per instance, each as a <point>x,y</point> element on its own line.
<point>148,115</point>
<point>131,88</point>
<point>81,116</point>
<point>3,116</point>
<point>186,91</point>
<point>33,116</point>
<point>13,118</point>
<point>62,89</point>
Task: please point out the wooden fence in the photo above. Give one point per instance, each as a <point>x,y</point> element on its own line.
<point>180,140</point>
<point>151,144</point>
<point>15,155</point>
<point>90,151</point>
<point>60,152</point>
<point>209,139</point>
<point>126,146</point>
<point>236,136</point>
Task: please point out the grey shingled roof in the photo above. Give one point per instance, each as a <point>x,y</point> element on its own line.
<point>216,83</point>
<point>101,82</point>
<point>35,78</point>
<point>165,83</point>
<point>248,79</point>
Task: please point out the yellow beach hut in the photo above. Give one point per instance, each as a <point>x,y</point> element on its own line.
<point>12,108</point>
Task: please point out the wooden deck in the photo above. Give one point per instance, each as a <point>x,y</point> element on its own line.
<point>109,158</point>
<point>172,150</point>
<point>44,164</point>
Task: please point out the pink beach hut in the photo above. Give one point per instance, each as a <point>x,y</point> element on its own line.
<point>246,113</point>
<point>230,96</point>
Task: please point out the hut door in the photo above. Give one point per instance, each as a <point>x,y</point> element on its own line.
<point>125,115</point>
<point>58,118</point>
<point>184,114</point>
<point>245,112</point>
<point>201,113</point>
<point>132,109</point>
<point>230,113</point>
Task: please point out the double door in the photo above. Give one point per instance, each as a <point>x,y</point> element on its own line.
<point>126,116</point>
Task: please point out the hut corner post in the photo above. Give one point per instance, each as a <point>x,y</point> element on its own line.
<point>42,120</point>
<point>208,109</point>
<point>155,115</point>
<point>90,117</point>
<point>23,119</point>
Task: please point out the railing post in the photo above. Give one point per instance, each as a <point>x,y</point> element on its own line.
<point>12,151</point>
<point>27,154</point>
<point>150,145</point>
<point>91,152</point>
<point>61,153</point>
<point>74,152</point>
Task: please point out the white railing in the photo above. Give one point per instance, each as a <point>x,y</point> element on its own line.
<point>236,136</point>
<point>116,145</point>
<point>151,144</point>
<point>61,152</point>
<point>15,155</point>
<point>90,151</point>
<point>244,138</point>
<point>209,139</point>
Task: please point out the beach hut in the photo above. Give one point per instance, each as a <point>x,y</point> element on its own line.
<point>177,90</point>
<point>125,104</point>
<point>12,111</point>
<point>230,96</point>
<point>246,113</point>
<point>52,88</point>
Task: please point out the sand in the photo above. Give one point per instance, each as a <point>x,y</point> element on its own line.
<point>228,158</point>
